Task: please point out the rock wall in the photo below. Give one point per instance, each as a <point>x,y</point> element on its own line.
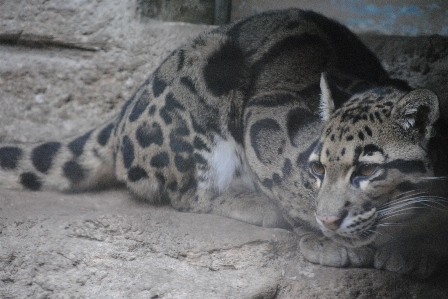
<point>63,59</point>
<point>66,66</point>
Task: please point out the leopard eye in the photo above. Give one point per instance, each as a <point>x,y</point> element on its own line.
<point>317,169</point>
<point>366,169</point>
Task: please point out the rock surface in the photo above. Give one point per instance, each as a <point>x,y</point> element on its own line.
<point>64,59</point>
<point>69,65</point>
<point>108,245</point>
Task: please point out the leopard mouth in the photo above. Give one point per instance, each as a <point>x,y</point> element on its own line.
<point>361,239</point>
<point>354,232</point>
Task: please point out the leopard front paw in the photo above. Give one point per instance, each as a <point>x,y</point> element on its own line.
<point>414,262</point>
<point>323,251</point>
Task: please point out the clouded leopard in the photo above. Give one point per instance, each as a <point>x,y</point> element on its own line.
<point>284,119</point>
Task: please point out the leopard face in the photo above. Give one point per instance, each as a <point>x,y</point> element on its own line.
<point>371,164</point>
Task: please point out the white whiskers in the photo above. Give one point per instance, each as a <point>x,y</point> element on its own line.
<point>410,201</point>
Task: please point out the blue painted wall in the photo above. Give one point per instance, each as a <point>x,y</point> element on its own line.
<point>407,18</point>
<point>400,17</point>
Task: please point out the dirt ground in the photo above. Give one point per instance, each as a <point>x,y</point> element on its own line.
<point>63,70</point>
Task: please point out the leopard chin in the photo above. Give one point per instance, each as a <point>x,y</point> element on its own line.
<point>355,241</point>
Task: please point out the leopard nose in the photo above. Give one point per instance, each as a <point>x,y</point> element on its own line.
<point>330,222</point>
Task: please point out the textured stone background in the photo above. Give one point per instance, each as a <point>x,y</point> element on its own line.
<point>66,66</point>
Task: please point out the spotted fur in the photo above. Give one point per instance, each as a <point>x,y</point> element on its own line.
<point>378,175</point>
<point>282,119</point>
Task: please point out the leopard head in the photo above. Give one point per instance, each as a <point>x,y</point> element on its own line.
<point>371,164</point>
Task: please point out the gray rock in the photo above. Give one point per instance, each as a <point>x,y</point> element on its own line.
<point>108,245</point>
<point>64,59</point>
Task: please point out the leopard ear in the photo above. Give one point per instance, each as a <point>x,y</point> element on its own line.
<point>331,97</point>
<point>416,112</point>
